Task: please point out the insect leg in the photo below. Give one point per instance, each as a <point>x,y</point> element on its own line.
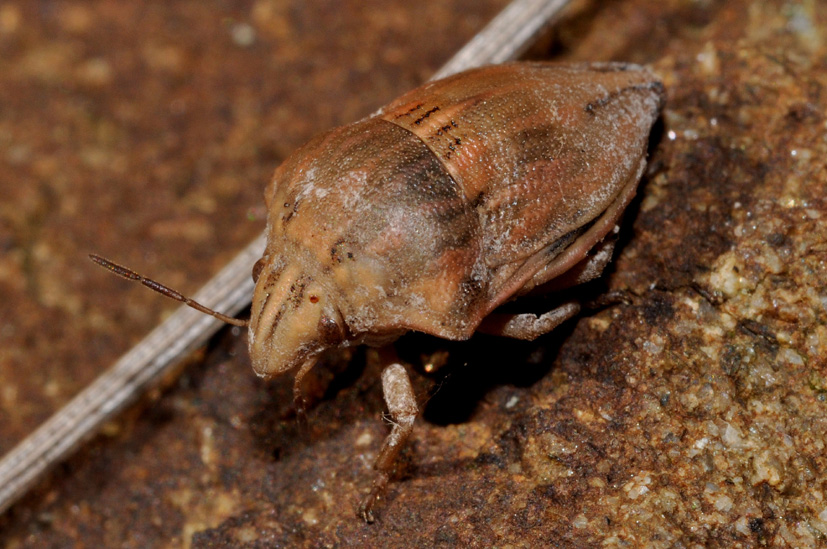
<point>399,397</point>
<point>527,326</point>
<point>299,402</point>
<point>530,326</point>
<point>590,267</point>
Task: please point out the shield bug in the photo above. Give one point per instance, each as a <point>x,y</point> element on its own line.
<point>459,196</point>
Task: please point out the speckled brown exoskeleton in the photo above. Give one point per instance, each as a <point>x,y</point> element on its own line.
<point>454,199</point>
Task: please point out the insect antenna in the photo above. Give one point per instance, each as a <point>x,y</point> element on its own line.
<point>129,274</point>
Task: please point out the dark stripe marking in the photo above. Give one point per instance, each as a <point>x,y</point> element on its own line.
<point>428,113</point>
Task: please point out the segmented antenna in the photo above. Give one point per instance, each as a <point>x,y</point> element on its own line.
<point>129,274</point>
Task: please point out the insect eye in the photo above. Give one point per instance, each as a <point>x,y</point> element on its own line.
<point>257,269</point>
<point>330,333</point>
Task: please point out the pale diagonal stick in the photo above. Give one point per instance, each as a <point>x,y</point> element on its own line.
<point>505,38</point>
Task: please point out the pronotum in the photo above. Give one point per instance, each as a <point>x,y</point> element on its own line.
<point>459,196</point>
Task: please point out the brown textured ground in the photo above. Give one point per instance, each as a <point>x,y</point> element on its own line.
<point>695,415</point>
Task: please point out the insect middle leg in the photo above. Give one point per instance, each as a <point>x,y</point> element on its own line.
<point>530,326</point>
<point>399,397</point>
<point>527,326</point>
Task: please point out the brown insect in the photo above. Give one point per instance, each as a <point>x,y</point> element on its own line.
<point>456,198</point>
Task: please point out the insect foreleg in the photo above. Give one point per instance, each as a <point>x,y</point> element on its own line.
<point>399,397</point>
<point>299,402</point>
